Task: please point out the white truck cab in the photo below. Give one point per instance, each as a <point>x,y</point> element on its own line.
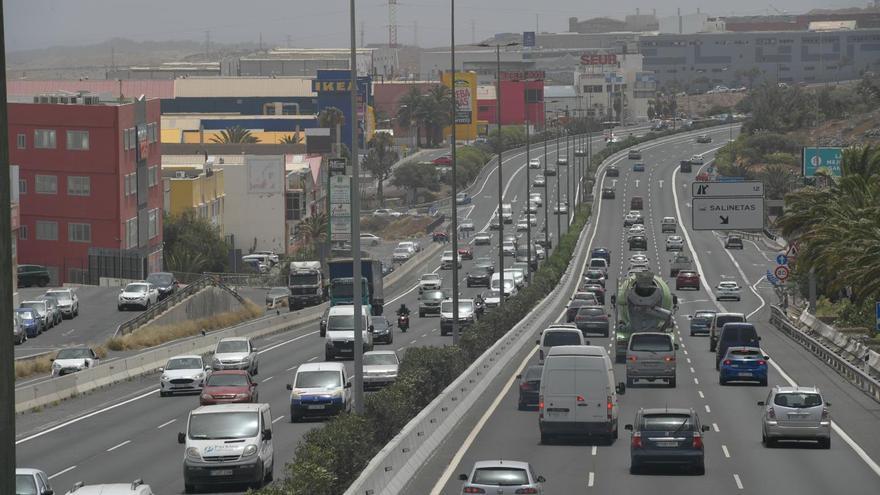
<point>339,336</point>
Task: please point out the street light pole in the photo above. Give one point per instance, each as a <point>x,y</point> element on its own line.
<point>455,294</point>
<point>528,203</point>
<point>355,232</point>
<point>546,188</point>
<point>558,184</point>
<point>568,173</point>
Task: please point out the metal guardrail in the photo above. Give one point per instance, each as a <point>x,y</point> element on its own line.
<point>859,378</point>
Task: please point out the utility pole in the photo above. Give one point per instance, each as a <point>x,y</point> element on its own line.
<point>452,138</point>
<point>357,285</point>
<point>568,173</point>
<point>7,375</point>
<point>500,144</point>
<point>546,188</point>
<point>528,203</point>
<point>207,45</point>
<point>558,184</point>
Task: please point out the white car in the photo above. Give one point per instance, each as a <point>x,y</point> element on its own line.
<point>272,256</point>
<point>73,359</point>
<point>235,353</point>
<point>636,229</point>
<point>446,261</point>
<point>532,208</point>
<point>539,181</point>
<point>522,226</point>
<point>535,163</point>
<point>32,481</point>
<point>483,238</point>
<point>467,225</point>
<point>508,248</point>
<point>401,254</point>
<point>385,212</point>
<point>413,246</point>
<point>560,209</point>
<point>536,198</point>
<point>539,250</point>
<point>633,218</point>
<point>136,487</point>
<point>67,299</point>
<point>638,260</point>
<point>492,298</point>
<point>380,368</point>
<point>371,239</point>
<point>674,243</point>
<point>182,374</point>
<point>430,281</point>
<point>697,159</point>
<point>141,294</point>
<point>727,289</point>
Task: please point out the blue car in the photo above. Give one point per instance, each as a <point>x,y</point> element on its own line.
<point>743,364</point>
<point>638,167</point>
<point>30,321</point>
<point>701,321</point>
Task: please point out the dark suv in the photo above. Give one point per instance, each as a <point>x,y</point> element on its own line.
<point>429,302</point>
<point>667,436</point>
<point>164,282</point>
<point>29,275</point>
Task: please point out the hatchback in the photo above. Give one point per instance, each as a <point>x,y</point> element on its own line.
<point>592,319</point>
<point>638,243</point>
<point>651,356</point>
<point>595,276</point>
<point>701,321</point>
<point>667,436</point>
<point>465,253</point>
<point>482,238</point>
<point>586,296</point>
<point>479,277</point>
<point>796,413</point>
<point>727,289</point>
<point>638,167</point>
<point>687,279</point>
<point>539,181</point>
<point>743,364</point>
<point>223,387</point>
<point>529,386</point>
<point>733,242</point>
<point>607,193</point>
<point>382,330</point>
<point>502,477</point>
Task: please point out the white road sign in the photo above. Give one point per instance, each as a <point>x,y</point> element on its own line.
<point>744,189</point>
<point>728,213</point>
<point>340,189</point>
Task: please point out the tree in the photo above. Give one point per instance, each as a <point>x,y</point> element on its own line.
<point>379,160</point>
<point>312,231</point>
<point>193,244</point>
<point>435,112</point>
<point>294,138</point>
<point>235,135</point>
<point>409,111</point>
<point>413,176</point>
<point>330,117</point>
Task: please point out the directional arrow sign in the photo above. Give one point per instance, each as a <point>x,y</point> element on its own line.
<point>744,189</point>
<point>728,213</point>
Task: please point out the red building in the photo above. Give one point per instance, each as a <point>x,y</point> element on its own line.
<point>522,99</point>
<point>90,189</point>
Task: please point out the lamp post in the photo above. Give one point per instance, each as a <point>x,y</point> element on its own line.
<point>528,202</point>
<point>355,231</point>
<point>452,139</point>
<point>558,186</point>
<point>568,173</point>
<point>546,187</point>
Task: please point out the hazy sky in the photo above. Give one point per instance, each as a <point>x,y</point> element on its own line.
<point>324,23</point>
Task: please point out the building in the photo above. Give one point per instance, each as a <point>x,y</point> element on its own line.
<point>386,100</point>
<point>90,195</point>
<point>302,193</point>
<point>522,99</point>
<point>691,23</point>
<point>200,190</point>
<point>615,88</point>
<point>306,62</point>
<point>167,70</point>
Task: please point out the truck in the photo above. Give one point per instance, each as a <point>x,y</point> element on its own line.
<point>306,284</point>
<point>341,273</point>
<point>678,263</point>
<point>643,303</point>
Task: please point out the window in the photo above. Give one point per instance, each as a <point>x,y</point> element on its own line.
<point>21,141</point>
<point>79,232</point>
<point>125,140</point>
<point>44,138</point>
<point>22,186</point>
<point>130,184</point>
<point>533,95</point>
<point>46,184</point>
<point>47,231</point>
<point>79,186</point>
<point>78,140</point>
<point>154,176</point>
<point>131,239</point>
<point>154,223</point>
<point>290,109</point>
<point>23,232</point>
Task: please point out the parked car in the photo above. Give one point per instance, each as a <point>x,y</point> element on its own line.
<point>687,279</point>
<point>667,436</point>
<point>382,330</point>
<point>502,476</point>
<point>165,283</point>
<point>54,310</point>
<point>19,333</point>
<point>229,386</point>
<point>29,275</point>
<point>30,321</point>
<point>741,364</point>
<point>42,309</point>
<point>73,359</point>
<point>182,374</point>
<point>235,353</point>
<point>32,482</point>
<point>795,413</point>
<point>529,385</point>
<point>139,294</point>
<point>370,239</point>
<point>651,356</point>
<point>67,299</point>
<point>380,368</point>
<point>442,160</point>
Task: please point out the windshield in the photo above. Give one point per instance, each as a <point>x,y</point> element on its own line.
<point>25,485</point>
<point>492,293</point>
<point>318,379</point>
<point>754,353</point>
<point>26,315</point>
<point>139,288</point>
<point>380,359</point>
<point>500,477</point>
<point>552,339</point>
<point>340,322</point>
<point>227,346</point>
<point>665,422</point>
<point>230,380</point>
<point>432,294</point>
<point>59,296</point>
<point>307,279</point>
<point>721,320</point>
<point>590,311</point>
<point>798,400</point>
<point>431,277</point>
<point>464,307</point>
<point>160,278</point>
<point>654,343</point>
<point>224,426</point>
<point>73,354</point>
<point>184,364</point>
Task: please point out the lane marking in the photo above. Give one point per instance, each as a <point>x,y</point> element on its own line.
<point>163,425</point>
<point>59,473</point>
<point>739,484</point>
<point>692,370</point>
<point>701,394</point>
<point>591,479</point>
<point>715,427</point>
<point>726,452</point>
<point>267,379</point>
<point>279,418</point>
<point>707,409</point>
<point>696,381</point>
<point>111,449</point>
<point>595,449</point>
<point>309,361</point>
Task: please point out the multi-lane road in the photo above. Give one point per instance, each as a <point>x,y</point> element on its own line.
<point>736,461</point>
<point>127,431</point>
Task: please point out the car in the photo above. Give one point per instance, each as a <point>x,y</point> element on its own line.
<point>704,138</point>
<point>32,482</point>
<point>54,310</point>
<point>166,284</point>
<point>466,315</point>
<point>277,296</point>
<point>479,277</point>
<point>532,207</point>
<point>485,262</point>
<point>597,290</point>
<point>674,243</point>
<point>502,476</point>
<point>386,212</point>
<point>667,224</point>
<point>598,264</point>
<point>539,250</point>
<point>639,259</point>
<point>467,225</point>
<point>380,368</point>
<point>633,218</point>
<point>401,255</point>
<point>612,171</point>
<point>667,436</point>
<point>535,163</point>
<point>430,281</point>
<point>413,246</point>
<point>687,279</point>
<point>608,193</point>
<point>562,160</point>
<point>701,321</point>
<point>28,275</point>
<point>572,308</point>
<point>651,356</point>
<point>634,154</point>
<point>529,385</point>
<point>508,248</point>
<point>601,252</point>
<point>555,335</point>
<point>735,335</point>
<point>635,229</point>
<point>229,387</point>
<point>638,167</point>
<point>73,359</point>
<point>462,198</point>
<point>340,336</point>
<point>370,239</point>
<point>727,289</point>
<point>429,302</point>
<point>383,332</point>
<point>702,177</point>
<point>536,198</point>
<point>442,160</point>
<point>235,353</point>
<point>522,226</point>
<point>638,243</point>
<point>592,319</point>
<point>491,298</point>
<point>560,209</point>
<point>717,325</point>
<point>67,300</point>
<point>795,413</point>
<point>540,181</point>
<point>550,171</point>
<point>733,242</point>
<point>494,224</point>
<point>594,276</point>
<point>483,239</point>
<point>41,307</point>
<point>139,294</point>
<point>740,364</point>
<point>465,253</point>
<point>136,487</point>
<point>697,159</point>
<point>182,374</point>
<point>30,321</point>
<point>271,256</point>
<point>446,261</point>
<point>508,237</point>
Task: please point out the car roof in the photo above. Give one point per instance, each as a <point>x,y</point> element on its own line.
<point>730,314</point>
<point>578,350</point>
<point>111,489</point>
<point>670,410</point>
<point>186,356</point>
<point>322,366</point>
<point>230,372</point>
<point>30,471</point>
<point>560,328</point>
<point>240,407</point>
<point>501,463</point>
<point>234,339</point>
<point>784,389</point>
<point>382,352</point>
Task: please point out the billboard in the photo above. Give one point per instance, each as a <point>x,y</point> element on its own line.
<point>464,90</point>
<point>528,39</point>
<point>599,59</point>
<point>828,159</point>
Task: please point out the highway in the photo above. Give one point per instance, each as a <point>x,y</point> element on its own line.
<point>127,431</point>
<point>736,461</point>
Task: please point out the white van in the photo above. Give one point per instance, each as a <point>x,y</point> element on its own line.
<point>560,334</point>
<point>578,395</point>
<point>339,336</point>
<point>228,443</point>
<point>509,284</point>
<point>319,389</point>
<point>507,212</point>
<point>599,264</point>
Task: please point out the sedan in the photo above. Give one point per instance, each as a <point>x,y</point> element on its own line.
<point>370,239</point>
<point>139,294</point>
<point>182,374</point>
<point>532,207</point>
<point>380,368</point>
<point>701,321</point>
<point>550,172</point>
<point>466,253</point>
<point>483,239</point>
<point>727,289</point>
<point>529,387</point>
<point>467,225</point>
<point>401,255</point>
<point>54,309</point>
<point>509,249</point>
<point>536,198</point>
<point>704,138</point>
<point>592,319</point>
<point>382,330</point>
<point>687,279</point>
<point>595,277</point>
<point>639,260</point>
<point>667,436</point>
<point>608,193</point>
<point>560,209</point>
<point>522,226</point>
<point>229,386</point>
<point>742,364</point>
<point>502,476</point>
<point>535,163</point>
<point>485,262</point>
<point>638,243</point>
<point>638,167</point>
<point>166,284</point>
<point>491,298</point>
<point>479,277</point>
<point>631,219</point>
<point>674,243</point>
<point>442,160</point>
<point>612,172</point>
<point>73,359</point>
<point>733,242</point>
<point>539,181</point>
<point>446,261</point>
<point>635,229</point>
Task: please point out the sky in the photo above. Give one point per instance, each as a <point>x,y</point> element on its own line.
<point>33,24</point>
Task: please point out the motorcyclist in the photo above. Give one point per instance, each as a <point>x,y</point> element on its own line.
<point>402,310</point>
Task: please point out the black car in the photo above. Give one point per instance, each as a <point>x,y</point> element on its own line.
<point>667,436</point>
<point>612,172</point>
<point>165,283</point>
<point>601,252</point>
<point>29,275</point>
<point>592,319</point>
<point>529,387</point>
<point>735,335</point>
<point>382,330</point>
<point>479,277</point>
<point>549,172</point>
<point>607,193</point>
<point>685,166</point>
<point>638,242</point>
<point>733,242</point>
<point>704,138</point>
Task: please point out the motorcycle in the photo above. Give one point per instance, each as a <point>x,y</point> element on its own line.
<point>403,322</point>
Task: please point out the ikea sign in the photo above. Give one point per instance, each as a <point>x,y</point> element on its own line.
<point>319,86</point>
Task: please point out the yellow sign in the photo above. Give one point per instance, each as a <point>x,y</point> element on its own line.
<point>330,86</point>
<point>465,94</point>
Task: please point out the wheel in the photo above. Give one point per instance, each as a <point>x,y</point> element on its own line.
<point>118,308</point>
<point>328,356</point>
<point>825,443</point>
<point>256,371</point>
<point>421,314</point>
<point>545,438</point>
<point>270,475</point>
<point>721,380</point>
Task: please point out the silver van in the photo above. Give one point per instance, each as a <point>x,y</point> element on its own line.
<point>651,356</point>
<point>796,413</point>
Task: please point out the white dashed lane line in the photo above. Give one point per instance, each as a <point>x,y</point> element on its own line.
<point>708,410</point>
<point>279,418</point>
<point>595,449</point>
<point>111,449</point>
<point>163,425</point>
<point>59,473</point>
<point>701,394</point>
<point>267,379</point>
<point>591,479</point>
<point>739,484</point>
<point>715,427</point>
<point>726,452</point>
<point>312,359</point>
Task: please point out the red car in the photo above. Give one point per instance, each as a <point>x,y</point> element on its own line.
<point>687,278</point>
<point>228,386</point>
<point>703,177</point>
<point>443,160</point>
<point>466,253</point>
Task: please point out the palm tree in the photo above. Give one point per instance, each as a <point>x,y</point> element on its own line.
<point>330,117</point>
<point>408,112</point>
<point>436,112</point>
<point>313,230</point>
<point>379,160</point>
<point>778,180</point>
<point>294,138</point>
<point>235,135</point>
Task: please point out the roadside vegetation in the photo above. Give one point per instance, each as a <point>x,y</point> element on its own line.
<point>39,365</point>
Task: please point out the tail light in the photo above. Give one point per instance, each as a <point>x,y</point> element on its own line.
<point>698,441</point>
<point>603,317</point>
<point>541,407</point>
<point>473,489</point>
<point>580,398</point>
<point>825,413</point>
<point>636,442</point>
<point>669,359</point>
<point>771,413</point>
<point>727,362</point>
<point>761,362</point>
<point>609,408</point>
<point>526,490</point>
<point>632,358</point>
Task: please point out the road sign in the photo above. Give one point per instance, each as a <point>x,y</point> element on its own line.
<point>781,259</point>
<point>337,166</point>
<point>728,213</point>
<point>827,159</point>
<point>772,278</point>
<point>781,272</point>
<point>744,189</point>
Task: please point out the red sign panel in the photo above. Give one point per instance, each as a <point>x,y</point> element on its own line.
<point>599,59</point>
<point>523,75</point>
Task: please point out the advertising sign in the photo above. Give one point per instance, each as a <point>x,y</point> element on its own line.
<point>337,166</point>
<point>599,59</point>
<point>827,159</point>
<point>528,38</point>
<point>463,107</point>
<point>464,90</point>
<point>340,208</point>
<point>523,75</point>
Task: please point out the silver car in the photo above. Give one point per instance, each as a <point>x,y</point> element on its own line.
<point>651,356</point>
<point>502,477</point>
<point>235,353</point>
<point>380,368</point>
<point>182,374</point>
<point>795,413</point>
<point>42,309</point>
<point>67,299</point>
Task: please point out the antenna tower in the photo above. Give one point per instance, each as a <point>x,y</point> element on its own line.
<point>392,23</point>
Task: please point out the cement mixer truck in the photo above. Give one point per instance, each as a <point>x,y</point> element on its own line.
<point>643,303</point>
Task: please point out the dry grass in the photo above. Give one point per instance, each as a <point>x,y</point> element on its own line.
<point>25,368</point>
<point>154,335</point>
<point>400,228</point>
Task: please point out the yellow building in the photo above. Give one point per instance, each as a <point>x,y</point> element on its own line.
<point>198,188</point>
